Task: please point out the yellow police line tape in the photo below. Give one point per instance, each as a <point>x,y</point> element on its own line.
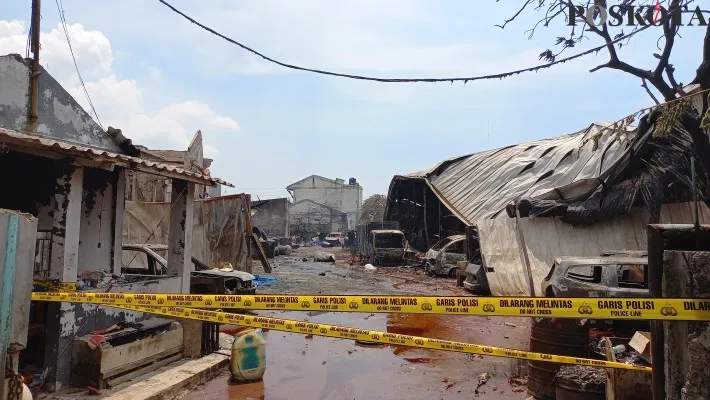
<point>592,308</point>
<point>56,285</point>
<point>341,332</point>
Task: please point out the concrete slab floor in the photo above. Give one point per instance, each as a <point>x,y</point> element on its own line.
<point>169,382</point>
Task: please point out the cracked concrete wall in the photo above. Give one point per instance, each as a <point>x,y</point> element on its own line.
<point>686,274</point>
<point>60,116</point>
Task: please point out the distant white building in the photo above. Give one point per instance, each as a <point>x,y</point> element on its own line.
<point>341,196</point>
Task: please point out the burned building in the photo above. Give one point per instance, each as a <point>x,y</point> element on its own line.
<point>150,188</point>
<point>580,194</point>
<point>70,175</point>
<point>309,218</point>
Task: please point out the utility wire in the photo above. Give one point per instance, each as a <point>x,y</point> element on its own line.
<point>60,9</point>
<point>403,80</point>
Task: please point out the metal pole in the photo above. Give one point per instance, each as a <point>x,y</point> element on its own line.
<point>34,75</point>
<point>524,252</point>
<point>426,226</point>
<point>655,278</point>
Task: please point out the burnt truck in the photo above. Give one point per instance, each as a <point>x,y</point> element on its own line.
<point>381,243</point>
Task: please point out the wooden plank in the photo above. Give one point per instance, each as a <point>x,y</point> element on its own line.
<point>260,252</point>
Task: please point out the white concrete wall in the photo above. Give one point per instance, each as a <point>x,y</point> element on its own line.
<point>343,197</point>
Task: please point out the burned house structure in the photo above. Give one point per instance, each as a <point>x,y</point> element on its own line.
<point>580,194</point>
<point>70,174</point>
<point>149,188</point>
<point>309,218</point>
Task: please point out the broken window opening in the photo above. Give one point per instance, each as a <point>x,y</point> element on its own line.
<point>586,273</point>
<point>632,276</point>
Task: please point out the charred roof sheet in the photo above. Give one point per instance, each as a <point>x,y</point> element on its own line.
<point>481,185</point>
<point>21,139</point>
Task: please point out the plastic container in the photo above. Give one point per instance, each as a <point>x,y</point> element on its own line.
<point>619,348</point>
<point>248,361</point>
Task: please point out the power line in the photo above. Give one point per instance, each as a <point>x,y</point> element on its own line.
<point>60,9</point>
<point>404,80</point>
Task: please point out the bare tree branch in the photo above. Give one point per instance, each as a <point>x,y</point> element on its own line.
<point>670,28</point>
<point>650,93</point>
<point>525,5</point>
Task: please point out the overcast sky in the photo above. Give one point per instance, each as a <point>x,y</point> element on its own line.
<point>159,78</point>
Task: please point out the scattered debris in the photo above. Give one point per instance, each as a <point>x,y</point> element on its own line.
<point>323,363</point>
<point>309,336</point>
<point>370,267</point>
<point>509,324</point>
<point>93,391</point>
<point>321,256</point>
<point>304,259</point>
<point>418,360</point>
<point>482,379</point>
<point>517,382</point>
<point>641,342</point>
<point>582,375</point>
<point>321,274</point>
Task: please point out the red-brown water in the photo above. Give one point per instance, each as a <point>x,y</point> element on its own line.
<point>299,367</point>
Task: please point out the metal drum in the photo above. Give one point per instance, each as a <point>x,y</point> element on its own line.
<point>564,337</point>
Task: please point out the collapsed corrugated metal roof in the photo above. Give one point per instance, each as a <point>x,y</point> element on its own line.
<point>481,185</point>
<point>21,139</point>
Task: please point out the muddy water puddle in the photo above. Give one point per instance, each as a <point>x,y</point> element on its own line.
<point>300,367</point>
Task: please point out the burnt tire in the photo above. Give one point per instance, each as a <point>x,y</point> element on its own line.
<point>454,273</point>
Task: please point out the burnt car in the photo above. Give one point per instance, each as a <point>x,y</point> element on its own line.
<point>441,259</point>
<point>144,261</point>
<point>476,281</point>
<point>610,275</point>
<point>386,247</point>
